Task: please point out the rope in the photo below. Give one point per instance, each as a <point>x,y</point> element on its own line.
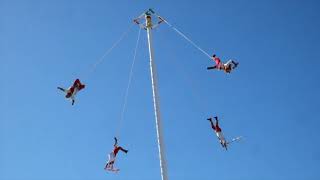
<point>108,51</point>
<point>188,39</point>
<point>128,86</point>
<point>190,80</point>
<point>192,87</point>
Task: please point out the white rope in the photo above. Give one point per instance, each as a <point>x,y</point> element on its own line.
<point>100,60</point>
<point>128,86</point>
<point>188,39</point>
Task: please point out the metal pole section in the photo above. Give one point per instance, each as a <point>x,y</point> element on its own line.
<point>156,104</point>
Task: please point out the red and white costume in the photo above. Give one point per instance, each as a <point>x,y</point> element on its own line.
<point>219,134</point>
<point>219,65</point>
<point>73,90</point>
<point>112,157</point>
<point>227,67</point>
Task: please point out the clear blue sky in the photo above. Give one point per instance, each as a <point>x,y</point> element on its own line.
<point>272,99</point>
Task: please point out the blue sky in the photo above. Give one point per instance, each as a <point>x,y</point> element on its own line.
<point>272,99</point>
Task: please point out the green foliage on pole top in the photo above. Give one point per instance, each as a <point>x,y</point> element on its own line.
<point>149,12</point>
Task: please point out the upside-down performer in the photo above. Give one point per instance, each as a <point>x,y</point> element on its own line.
<point>73,90</point>
<point>218,132</point>
<point>112,156</point>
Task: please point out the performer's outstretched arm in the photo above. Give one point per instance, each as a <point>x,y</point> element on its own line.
<point>211,67</point>
<point>115,141</point>
<point>72,99</point>
<point>212,125</point>
<point>216,118</point>
<point>123,150</point>
<point>60,88</point>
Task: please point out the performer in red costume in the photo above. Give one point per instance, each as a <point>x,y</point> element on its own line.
<point>113,155</point>
<point>227,67</point>
<point>73,90</point>
<point>218,132</point>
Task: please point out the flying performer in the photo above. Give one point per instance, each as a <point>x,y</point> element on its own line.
<point>218,132</point>
<point>226,67</point>
<point>73,90</point>
<point>113,155</point>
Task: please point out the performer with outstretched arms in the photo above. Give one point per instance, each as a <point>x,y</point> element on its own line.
<point>113,155</point>
<point>218,132</point>
<point>226,67</point>
<point>73,90</point>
